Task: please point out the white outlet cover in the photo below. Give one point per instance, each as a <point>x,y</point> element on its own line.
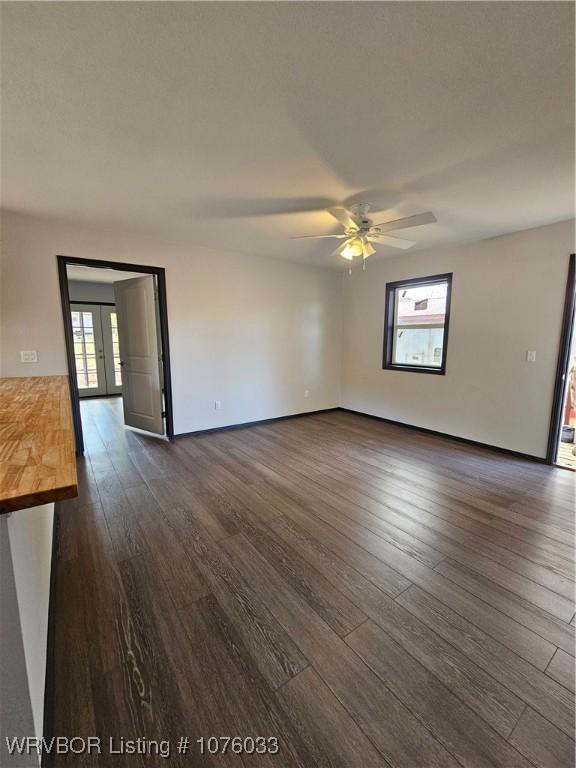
<point>531,355</point>
<point>28,356</point>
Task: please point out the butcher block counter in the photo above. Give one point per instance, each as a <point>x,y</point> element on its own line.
<point>37,458</point>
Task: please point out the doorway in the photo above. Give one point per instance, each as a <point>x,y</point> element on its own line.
<point>562,440</point>
<point>116,331</point>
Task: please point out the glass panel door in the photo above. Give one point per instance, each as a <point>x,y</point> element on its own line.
<point>111,349</point>
<point>88,349</point>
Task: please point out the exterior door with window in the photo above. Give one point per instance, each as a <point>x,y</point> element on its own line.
<point>88,349</point>
<point>111,349</point>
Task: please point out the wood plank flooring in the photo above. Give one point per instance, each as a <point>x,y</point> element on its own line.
<point>367,595</point>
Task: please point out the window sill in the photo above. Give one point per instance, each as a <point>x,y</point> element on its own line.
<point>415,369</point>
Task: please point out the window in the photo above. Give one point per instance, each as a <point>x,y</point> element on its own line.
<point>416,330</point>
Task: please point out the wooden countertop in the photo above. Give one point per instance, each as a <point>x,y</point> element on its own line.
<point>37,459</point>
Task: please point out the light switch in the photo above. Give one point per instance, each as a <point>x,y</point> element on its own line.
<point>531,355</point>
<point>28,356</point>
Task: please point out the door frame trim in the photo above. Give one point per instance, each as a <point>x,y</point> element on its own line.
<point>568,318</point>
<point>160,272</point>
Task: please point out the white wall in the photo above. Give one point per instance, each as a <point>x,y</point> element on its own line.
<point>252,332</point>
<point>507,298</point>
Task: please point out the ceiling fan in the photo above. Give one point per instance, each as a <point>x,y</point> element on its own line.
<point>361,233</point>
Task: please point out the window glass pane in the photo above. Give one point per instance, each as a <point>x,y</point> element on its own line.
<point>421,305</point>
<point>116,349</point>
<point>84,349</point>
<point>417,314</point>
<point>80,367</point>
<point>418,346</point>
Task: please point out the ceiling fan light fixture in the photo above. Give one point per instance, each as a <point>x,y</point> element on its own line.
<point>368,249</point>
<point>353,247</point>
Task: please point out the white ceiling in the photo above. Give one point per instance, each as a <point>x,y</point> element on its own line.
<point>98,274</point>
<point>178,120</point>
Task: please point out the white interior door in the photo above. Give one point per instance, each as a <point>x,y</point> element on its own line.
<point>139,353</point>
<point>88,349</point>
<point>111,349</point>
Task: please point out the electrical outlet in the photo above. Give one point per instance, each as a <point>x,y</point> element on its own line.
<point>531,356</point>
<point>28,356</point>
<point>217,405</point>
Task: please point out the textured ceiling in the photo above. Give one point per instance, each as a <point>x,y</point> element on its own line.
<point>180,120</point>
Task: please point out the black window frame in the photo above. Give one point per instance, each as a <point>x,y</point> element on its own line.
<point>389,312</point>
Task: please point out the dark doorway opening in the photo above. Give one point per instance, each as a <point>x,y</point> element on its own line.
<point>160,276</point>
<point>564,404</point>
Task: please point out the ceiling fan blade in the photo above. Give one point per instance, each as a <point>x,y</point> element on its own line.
<point>343,216</point>
<point>236,208</point>
<point>407,221</point>
<point>394,242</point>
<point>316,237</point>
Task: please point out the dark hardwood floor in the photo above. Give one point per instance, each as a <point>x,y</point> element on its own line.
<point>368,595</point>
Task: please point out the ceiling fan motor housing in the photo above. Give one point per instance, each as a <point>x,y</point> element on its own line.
<point>360,210</point>
<point>364,227</point>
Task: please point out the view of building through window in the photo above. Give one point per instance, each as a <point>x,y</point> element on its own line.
<point>419,320</point>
